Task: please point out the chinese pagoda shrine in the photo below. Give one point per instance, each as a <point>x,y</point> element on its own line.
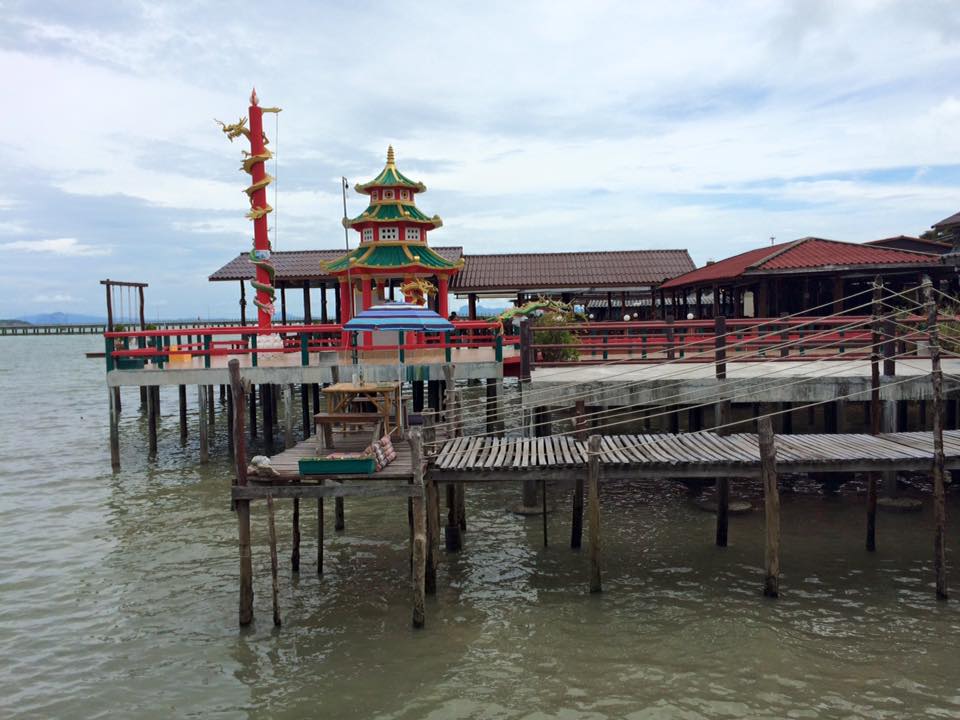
<point>393,246</point>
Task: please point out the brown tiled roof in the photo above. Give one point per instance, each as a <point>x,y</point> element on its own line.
<point>948,222</point>
<point>551,271</point>
<point>914,244</point>
<point>299,265</point>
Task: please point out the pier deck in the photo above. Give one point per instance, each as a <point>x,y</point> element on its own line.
<point>688,455</point>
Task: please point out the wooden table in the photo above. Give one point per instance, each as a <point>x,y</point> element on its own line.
<point>384,396</point>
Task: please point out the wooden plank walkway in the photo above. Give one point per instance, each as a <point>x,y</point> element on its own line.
<point>700,454</point>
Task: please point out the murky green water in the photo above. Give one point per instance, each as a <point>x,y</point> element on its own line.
<point>118,594</point>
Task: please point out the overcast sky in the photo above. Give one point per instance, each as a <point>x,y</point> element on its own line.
<point>535,126</point>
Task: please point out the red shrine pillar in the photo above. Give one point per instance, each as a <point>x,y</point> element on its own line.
<point>366,299</point>
<point>261,242</point>
<point>442,295</point>
<point>345,313</point>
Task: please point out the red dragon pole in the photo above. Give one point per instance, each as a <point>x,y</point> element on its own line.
<point>254,164</point>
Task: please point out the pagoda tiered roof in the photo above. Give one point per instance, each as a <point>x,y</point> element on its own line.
<point>392,256</point>
<point>382,212</point>
<point>390,177</point>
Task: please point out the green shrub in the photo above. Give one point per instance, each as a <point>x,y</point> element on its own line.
<point>556,337</point>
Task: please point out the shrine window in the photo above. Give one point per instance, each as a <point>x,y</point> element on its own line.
<point>368,234</point>
<point>389,233</point>
<point>404,195</point>
<point>388,194</point>
<point>412,234</point>
<point>374,195</point>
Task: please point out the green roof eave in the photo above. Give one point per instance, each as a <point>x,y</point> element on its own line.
<point>377,256</point>
<point>393,212</point>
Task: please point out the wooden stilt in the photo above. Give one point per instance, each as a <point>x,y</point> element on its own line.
<point>320,536</point>
<point>223,394</point>
<point>202,420</point>
<point>454,542</point>
<point>266,407</point>
<point>433,534</point>
<point>116,391</point>
<point>295,539</point>
<point>576,522</point>
<point>211,411</point>
<point>114,431</point>
<point>419,531</point>
<point>593,481</point>
<point>272,532</point>
<point>143,397</point>
<point>182,407</point>
<point>253,412</point>
<point>305,411</point>
<point>230,443</point>
<point>875,409</point>
<point>288,441</point>
<point>338,519</point>
<point>771,499</point>
<point>461,498</point>
<point>939,472</point>
<point>543,494</point>
<point>242,506</point>
<point>152,421</point>
<point>316,398</point>
<point>722,413</point>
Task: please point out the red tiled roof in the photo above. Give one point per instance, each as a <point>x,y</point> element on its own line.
<point>551,271</point>
<point>804,254</point>
<point>302,265</point>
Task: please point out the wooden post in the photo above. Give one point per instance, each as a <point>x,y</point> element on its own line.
<point>211,410</point>
<point>419,549</point>
<point>253,411</point>
<point>721,417</point>
<point>266,406</point>
<point>720,345</point>
<point>151,422</point>
<point>202,419</point>
<point>182,406</point>
<point>114,429</point>
<point>593,480</point>
<point>288,441</point>
<point>576,522</point>
<point>295,551</point>
<point>771,501</point>
<point>876,419</point>
<point>272,531</point>
<point>242,506</point>
<point>939,499</point>
<point>305,416</point>
<point>320,536</point>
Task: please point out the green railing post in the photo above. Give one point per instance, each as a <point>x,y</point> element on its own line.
<point>643,344</point>
<point>447,352</point>
<point>108,353</point>
<point>207,340</point>
<point>304,349</point>
<point>353,344</point>
<point>606,337</point>
<point>499,348</point>
<point>400,339</point>
<point>158,347</point>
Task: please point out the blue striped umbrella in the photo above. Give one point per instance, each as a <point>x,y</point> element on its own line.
<point>398,316</point>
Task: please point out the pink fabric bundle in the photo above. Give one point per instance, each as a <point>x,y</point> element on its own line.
<point>384,452</point>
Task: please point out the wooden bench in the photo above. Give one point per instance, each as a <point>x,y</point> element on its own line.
<point>325,422</point>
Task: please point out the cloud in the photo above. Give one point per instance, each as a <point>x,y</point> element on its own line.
<point>67,247</point>
<point>53,298</point>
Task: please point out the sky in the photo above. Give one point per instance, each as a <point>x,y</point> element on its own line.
<point>536,126</point>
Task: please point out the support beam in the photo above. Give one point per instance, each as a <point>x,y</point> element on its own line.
<point>275,583</point>
<point>939,472</point>
<point>576,521</point>
<point>202,423</point>
<point>114,429</point>
<point>771,503</point>
<point>242,506</point>
<point>419,538</point>
<point>721,418</point>
<point>295,538</point>
<point>182,407</point>
<point>152,422</point>
<point>288,441</point>
<point>593,480</point>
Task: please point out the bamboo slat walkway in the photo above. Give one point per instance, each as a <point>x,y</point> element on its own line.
<point>699,454</point>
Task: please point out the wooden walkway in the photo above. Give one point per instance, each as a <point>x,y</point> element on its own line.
<point>700,454</point>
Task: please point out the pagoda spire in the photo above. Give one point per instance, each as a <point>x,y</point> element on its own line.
<point>390,158</point>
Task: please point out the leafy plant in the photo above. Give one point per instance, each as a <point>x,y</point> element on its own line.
<point>557,336</point>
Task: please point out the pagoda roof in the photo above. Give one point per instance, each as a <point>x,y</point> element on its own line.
<point>391,256</point>
<point>390,177</point>
<point>386,212</point>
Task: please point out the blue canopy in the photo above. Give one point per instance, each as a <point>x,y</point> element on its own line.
<point>398,316</point>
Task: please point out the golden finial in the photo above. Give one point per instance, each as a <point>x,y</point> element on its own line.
<point>253,97</point>
<point>390,159</point>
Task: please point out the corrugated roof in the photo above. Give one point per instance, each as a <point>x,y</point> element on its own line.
<point>804,254</point>
<point>541,271</point>
<point>303,264</point>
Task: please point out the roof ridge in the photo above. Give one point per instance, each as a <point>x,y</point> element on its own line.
<point>784,247</point>
<point>581,252</point>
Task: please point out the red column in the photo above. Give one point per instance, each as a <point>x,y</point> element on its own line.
<point>367,292</point>
<point>259,200</point>
<point>442,294</point>
<point>345,314</point>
